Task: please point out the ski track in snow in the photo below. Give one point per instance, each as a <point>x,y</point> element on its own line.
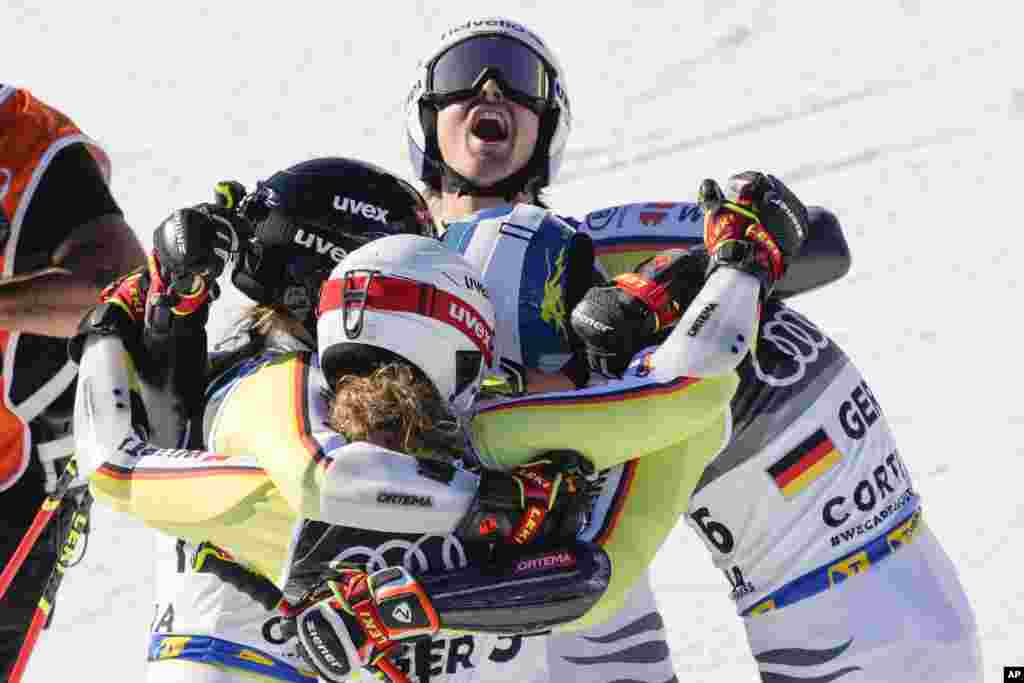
<point>746,127</point>
<point>905,118</point>
<point>755,124</point>
<point>871,155</point>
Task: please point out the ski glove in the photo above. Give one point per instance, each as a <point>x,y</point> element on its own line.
<point>128,305</point>
<point>128,293</point>
<point>361,620</point>
<point>617,321</point>
<point>543,501</point>
<point>211,559</point>
<point>757,225</point>
<point>191,248</point>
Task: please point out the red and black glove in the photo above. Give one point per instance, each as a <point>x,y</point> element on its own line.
<point>616,321</point>
<point>757,225</point>
<point>544,500</point>
<point>121,311</point>
<point>191,248</point>
<point>128,293</point>
<point>361,620</point>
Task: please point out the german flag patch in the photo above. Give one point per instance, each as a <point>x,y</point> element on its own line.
<point>813,457</point>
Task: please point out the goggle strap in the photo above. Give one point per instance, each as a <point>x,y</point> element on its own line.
<point>362,290</point>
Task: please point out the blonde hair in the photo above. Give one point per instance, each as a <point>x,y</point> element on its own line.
<point>395,401</point>
<point>265,319</point>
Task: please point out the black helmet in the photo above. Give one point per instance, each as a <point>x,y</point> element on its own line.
<point>309,216</point>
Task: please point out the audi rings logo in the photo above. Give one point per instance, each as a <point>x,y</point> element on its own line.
<point>796,338</point>
<point>430,552</point>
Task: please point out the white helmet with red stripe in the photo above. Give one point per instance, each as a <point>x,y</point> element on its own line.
<point>411,297</point>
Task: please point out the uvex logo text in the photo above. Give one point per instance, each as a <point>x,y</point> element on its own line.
<point>321,245</point>
<point>365,209</point>
<point>470,322</point>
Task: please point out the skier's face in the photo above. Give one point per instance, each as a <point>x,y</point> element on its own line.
<point>488,137</point>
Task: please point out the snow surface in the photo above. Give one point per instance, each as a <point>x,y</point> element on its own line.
<point>904,117</point>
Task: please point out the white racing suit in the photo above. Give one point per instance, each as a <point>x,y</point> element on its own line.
<point>809,511</point>
<point>811,514</point>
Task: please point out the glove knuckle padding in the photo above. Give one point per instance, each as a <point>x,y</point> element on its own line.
<point>188,240</point>
<point>169,240</point>
<point>540,500</point>
<point>748,187</point>
<point>790,214</point>
<point>364,620</point>
<point>759,228</point>
<point>612,324</point>
<point>598,318</point>
<point>710,196</point>
<point>326,643</point>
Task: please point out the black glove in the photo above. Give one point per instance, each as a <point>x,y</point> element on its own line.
<point>191,248</point>
<point>211,559</point>
<point>758,225</point>
<point>545,500</point>
<point>617,321</point>
<point>201,240</point>
<point>197,241</point>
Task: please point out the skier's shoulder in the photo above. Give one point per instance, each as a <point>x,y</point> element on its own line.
<point>249,383</point>
<point>778,315</point>
<point>515,219</point>
<point>625,235</point>
<point>244,349</point>
<point>274,403</point>
<point>672,222</point>
<point>794,354</point>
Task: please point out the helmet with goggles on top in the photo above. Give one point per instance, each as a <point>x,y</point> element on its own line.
<point>466,57</point>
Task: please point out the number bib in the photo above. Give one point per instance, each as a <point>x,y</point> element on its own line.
<point>811,476</point>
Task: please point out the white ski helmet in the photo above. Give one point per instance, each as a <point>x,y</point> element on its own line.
<point>412,297</point>
<point>556,116</point>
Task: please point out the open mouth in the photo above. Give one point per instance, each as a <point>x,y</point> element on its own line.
<point>490,127</point>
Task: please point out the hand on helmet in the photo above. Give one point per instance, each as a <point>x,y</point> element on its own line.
<point>191,248</point>
<point>758,225</point>
<point>198,241</point>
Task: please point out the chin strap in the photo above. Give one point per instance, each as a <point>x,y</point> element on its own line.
<point>523,180</point>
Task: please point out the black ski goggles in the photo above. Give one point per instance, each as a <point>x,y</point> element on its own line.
<point>459,72</point>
